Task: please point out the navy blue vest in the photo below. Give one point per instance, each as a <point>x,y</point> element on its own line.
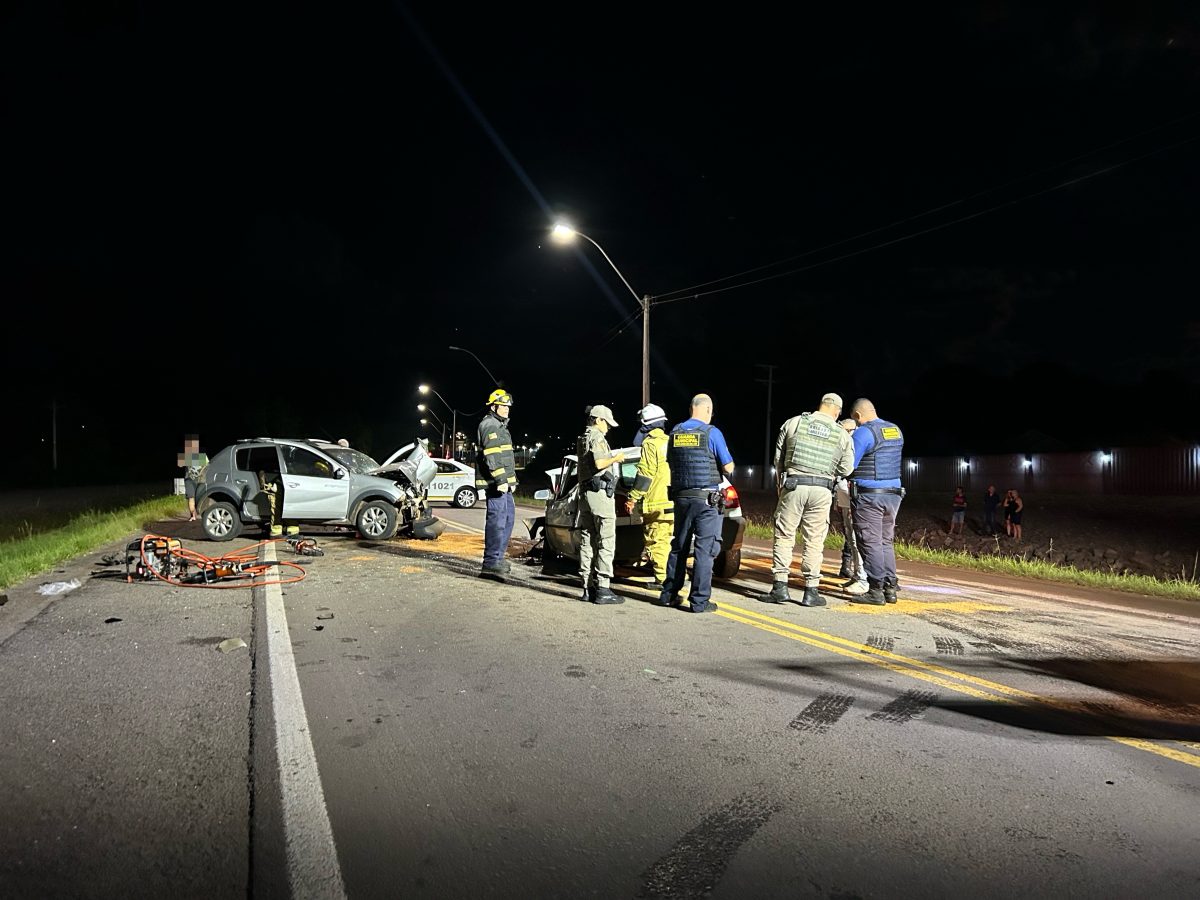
<point>692,461</point>
<point>881,462</point>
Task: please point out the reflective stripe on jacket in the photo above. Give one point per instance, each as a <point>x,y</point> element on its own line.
<point>653,473</point>
<point>495,463</point>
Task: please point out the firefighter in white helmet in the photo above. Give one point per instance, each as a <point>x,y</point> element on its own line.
<point>653,479</point>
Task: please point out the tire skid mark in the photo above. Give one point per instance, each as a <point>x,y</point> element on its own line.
<point>823,713</point>
<point>984,646</point>
<point>696,863</point>
<point>948,646</point>
<point>882,642</point>
<point>908,706</point>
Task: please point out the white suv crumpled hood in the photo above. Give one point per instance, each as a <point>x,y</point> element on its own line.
<point>413,463</point>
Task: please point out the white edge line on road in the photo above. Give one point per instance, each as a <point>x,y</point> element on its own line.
<point>459,526</point>
<point>312,862</point>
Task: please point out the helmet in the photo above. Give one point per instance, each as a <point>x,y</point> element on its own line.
<point>651,412</point>
<point>499,397</point>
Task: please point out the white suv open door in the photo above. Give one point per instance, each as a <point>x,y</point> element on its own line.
<point>312,489</point>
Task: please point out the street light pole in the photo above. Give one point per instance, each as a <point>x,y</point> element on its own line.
<point>495,380</point>
<point>421,407</point>
<point>645,350</point>
<point>453,415</point>
<point>564,233</point>
<point>770,382</point>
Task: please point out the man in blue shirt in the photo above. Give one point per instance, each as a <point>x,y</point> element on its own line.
<point>698,458</point>
<point>875,495</point>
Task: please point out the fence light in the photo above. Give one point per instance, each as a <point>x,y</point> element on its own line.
<point>964,463</point>
<point>1028,461</point>
<point>1105,456</point>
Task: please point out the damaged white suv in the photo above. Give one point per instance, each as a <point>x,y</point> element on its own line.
<point>319,483</point>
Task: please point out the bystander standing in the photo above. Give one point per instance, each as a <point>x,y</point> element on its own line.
<point>991,500</point>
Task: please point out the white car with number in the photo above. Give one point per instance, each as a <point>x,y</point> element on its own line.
<point>454,484</point>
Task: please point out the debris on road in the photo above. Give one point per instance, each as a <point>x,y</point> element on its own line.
<point>3,599</point>
<point>54,588</point>
<point>231,644</point>
<point>110,620</point>
<point>318,628</point>
<point>324,616</point>
<point>305,546</point>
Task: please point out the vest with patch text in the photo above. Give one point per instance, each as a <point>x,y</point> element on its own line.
<point>692,461</point>
<point>815,447</point>
<point>881,462</point>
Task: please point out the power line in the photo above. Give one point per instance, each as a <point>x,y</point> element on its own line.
<point>617,330</point>
<point>933,210</point>
<point>907,237</point>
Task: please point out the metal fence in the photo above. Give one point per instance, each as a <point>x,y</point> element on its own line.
<point>1123,470</point>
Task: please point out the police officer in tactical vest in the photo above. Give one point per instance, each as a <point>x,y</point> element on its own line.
<point>698,457</point>
<point>811,450</point>
<point>496,473</point>
<point>597,507</point>
<point>875,495</point>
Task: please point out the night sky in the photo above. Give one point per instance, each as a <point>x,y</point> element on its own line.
<point>274,218</point>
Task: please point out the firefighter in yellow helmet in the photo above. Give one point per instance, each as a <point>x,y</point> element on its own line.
<point>496,474</point>
<point>653,479</point>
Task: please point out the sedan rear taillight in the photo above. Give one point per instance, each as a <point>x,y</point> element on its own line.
<point>732,500</point>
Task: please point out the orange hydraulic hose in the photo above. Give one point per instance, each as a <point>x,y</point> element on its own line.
<point>245,557</point>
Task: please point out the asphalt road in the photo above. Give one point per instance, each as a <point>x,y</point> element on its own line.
<point>472,739</point>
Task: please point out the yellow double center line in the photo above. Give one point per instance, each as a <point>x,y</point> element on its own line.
<point>951,680</point>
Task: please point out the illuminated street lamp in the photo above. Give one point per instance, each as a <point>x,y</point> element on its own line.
<point>562,233</point>
<point>421,407</point>
<point>426,389</point>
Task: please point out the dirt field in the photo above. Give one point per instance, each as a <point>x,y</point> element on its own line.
<point>1157,536</point>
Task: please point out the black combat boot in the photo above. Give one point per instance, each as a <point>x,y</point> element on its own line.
<point>779,593</point>
<point>890,586</point>
<point>874,596</point>
<point>605,597</point>
<point>812,597</point>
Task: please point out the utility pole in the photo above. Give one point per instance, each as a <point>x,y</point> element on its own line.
<point>645,349</point>
<point>770,383</point>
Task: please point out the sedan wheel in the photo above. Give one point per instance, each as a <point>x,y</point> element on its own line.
<point>465,498</point>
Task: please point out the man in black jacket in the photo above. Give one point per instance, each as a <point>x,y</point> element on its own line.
<point>496,472</point>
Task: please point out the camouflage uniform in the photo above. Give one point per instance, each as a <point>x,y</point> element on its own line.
<point>813,448</point>
<point>597,513</point>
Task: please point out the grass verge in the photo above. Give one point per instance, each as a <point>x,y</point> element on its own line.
<point>1174,588</point>
<point>525,498</point>
<point>25,556</point>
